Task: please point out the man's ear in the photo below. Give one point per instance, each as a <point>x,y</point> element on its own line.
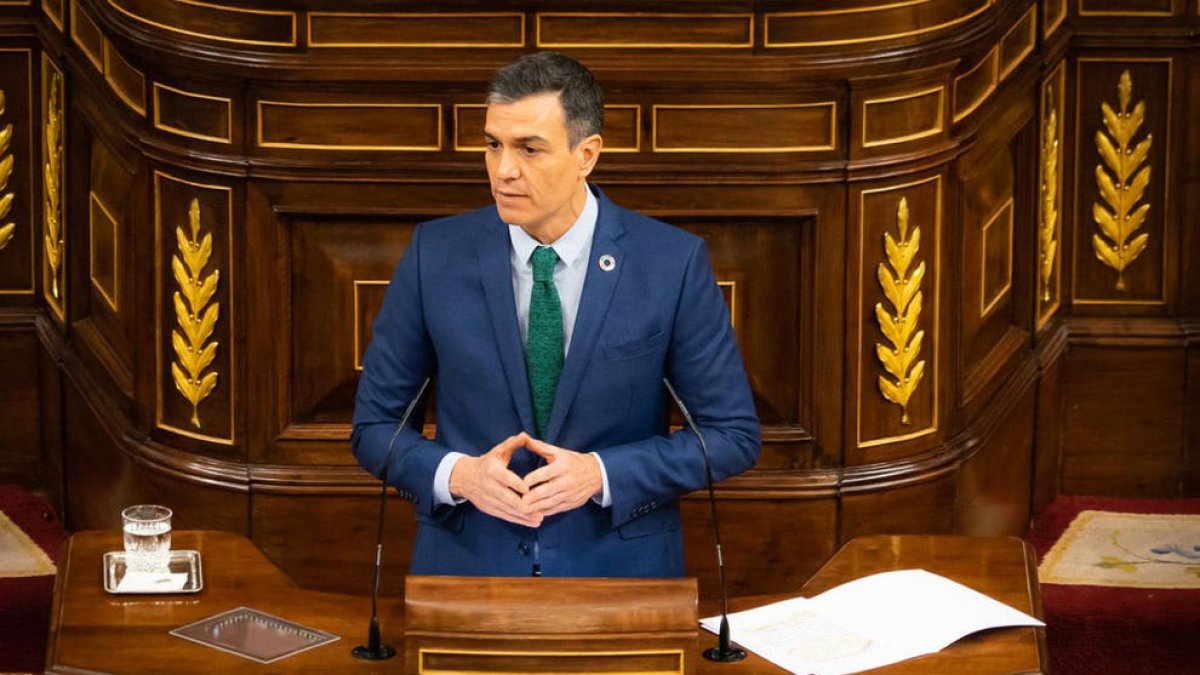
<point>588,152</point>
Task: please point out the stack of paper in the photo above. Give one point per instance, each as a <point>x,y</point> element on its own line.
<point>868,623</point>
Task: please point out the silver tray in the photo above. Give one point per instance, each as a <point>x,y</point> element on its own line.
<point>180,562</point>
<point>254,635</point>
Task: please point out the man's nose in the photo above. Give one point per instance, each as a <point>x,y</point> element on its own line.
<point>507,167</point>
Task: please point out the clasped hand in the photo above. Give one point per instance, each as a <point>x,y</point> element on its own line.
<point>567,481</point>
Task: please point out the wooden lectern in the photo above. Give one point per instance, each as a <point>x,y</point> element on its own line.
<point>544,625</point>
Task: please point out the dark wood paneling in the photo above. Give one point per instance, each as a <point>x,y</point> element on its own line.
<point>1143,281</point>
<point>327,541</point>
<point>1048,427</point>
<point>102,476</point>
<point>363,30</point>
<point>1191,416</point>
<point>192,114</point>
<point>127,82</point>
<point>907,213</point>
<point>331,125</point>
<point>1123,421</point>
<point>17,120</point>
<point>20,413</point>
<point>340,269</point>
<point>921,508</point>
<point>769,545</point>
<point>864,23</point>
<point>195,218</point>
<point>754,127</point>
<point>556,30</point>
<point>994,484</point>
<point>229,24</point>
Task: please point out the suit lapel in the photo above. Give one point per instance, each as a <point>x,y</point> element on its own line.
<point>598,289</point>
<point>495,269</point>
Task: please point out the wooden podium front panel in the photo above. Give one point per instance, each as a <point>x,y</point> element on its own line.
<point>549,625</point>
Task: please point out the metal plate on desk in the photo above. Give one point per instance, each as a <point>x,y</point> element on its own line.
<point>254,635</point>
<point>181,562</point>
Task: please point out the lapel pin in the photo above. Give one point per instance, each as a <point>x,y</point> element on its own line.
<point>607,263</point>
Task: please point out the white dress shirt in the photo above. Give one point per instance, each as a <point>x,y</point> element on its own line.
<point>573,249</point>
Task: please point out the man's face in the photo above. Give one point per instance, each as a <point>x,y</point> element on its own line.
<point>536,176</point>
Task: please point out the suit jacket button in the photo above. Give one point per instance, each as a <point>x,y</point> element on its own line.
<point>523,548</point>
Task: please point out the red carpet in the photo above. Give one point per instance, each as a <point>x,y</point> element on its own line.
<point>25,602</point>
<point>1120,631</point>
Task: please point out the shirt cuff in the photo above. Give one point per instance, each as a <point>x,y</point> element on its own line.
<point>441,481</point>
<point>603,499</point>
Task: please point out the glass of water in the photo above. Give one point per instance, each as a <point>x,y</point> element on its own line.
<point>147,537</point>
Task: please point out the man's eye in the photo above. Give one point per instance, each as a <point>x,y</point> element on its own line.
<point>530,151</point>
<point>493,144</point>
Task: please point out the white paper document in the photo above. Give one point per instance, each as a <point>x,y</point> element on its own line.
<point>867,623</point>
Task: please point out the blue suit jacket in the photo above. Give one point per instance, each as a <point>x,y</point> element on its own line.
<point>450,313</point>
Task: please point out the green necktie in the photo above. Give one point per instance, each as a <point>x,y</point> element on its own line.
<point>544,346</point>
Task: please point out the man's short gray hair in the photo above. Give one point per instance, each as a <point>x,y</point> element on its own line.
<point>552,72</point>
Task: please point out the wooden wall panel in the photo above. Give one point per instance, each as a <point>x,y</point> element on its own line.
<point>558,30</point>
<point>346,126</point>
<point>340,268</point>
<point>919,507</point>
<point>21,461</point>
<point>192,114</point>
<point>327,541</point>
<point>1048,427</point>
<point>377,29</point>
<point>18,229</point>
<point>899,229</point>
<point>1123,421</point>
<point>770,545</point>
<point>745,128</point>
<point>104,477</point>
<point>995,483</point>
<point>1143,281</point>
<point>196,399</point>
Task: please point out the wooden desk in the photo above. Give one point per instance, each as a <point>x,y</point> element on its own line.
<point>92,631</point>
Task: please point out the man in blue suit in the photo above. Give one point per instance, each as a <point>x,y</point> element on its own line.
<point>549,321</point>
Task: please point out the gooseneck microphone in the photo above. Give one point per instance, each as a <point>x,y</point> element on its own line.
<point>725,651</point>
<point>375,650</point>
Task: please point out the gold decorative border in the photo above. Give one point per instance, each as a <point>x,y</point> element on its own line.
<point>159,124</point>
<point>732,301</point>
<point>1048,28</point>
<point>637,108</point>
<point>1166,203</point>
<point>7,168</point>
<point>541,44</point>
<point>1127,12</point>
<point>1030,22</point>
<point>941,124</point>
<point>56,18</point>
<point>986,306</point>
<point>832,105</point>
<point>992,60</point>
<point>15,3</point>
<point>358,355</point>
<point>33,266</point>
<point>447,45</point>
<point>158,313</point>
<point>937,292</point>
<point>96,59</point>
<point>209,36</point>
<point>138,107</point>
<point>316,146</point>
<point>54,274</point>
<point>113,298</point>
<point>858,10</point>
<point>1054,86</point>
<point>422,651</point>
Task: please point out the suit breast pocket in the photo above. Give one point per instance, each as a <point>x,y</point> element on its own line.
<point>628,349</point>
